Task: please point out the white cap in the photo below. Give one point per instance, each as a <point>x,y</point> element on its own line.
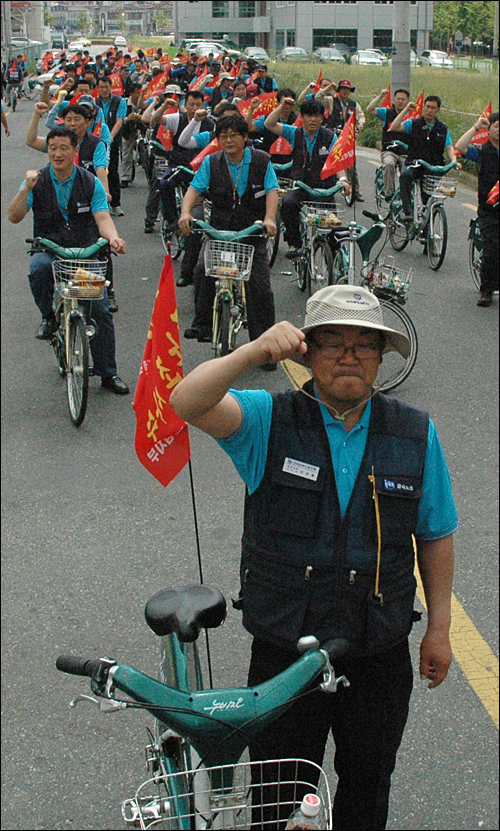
<point>310,805</point>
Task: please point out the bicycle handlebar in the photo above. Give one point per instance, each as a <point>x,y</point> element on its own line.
<point>255,230</point>
<point>77,666</point>
<point>280,168</point>
<point>68,253</point>
<point>438,170</point>
<point>318,193</point>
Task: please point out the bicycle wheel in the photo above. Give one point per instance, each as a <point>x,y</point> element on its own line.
<point>394,368</point>
<point>399,231</point>
<point>321,271</point>
<point>221,339</point>
<point>301,267</point>
<point>383,207</point>
<point>475,253</point>
<point>14,101</point>
<point>436,244</point>
<point>273,243</point>
<point>77,375</point>
<point>349,199</point>
<point>173,241</point>
<point>340,267</point>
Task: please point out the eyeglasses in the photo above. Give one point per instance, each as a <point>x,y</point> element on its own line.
<point>337,349</point>
<point>227,136</point>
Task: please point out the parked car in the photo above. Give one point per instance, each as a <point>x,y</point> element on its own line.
<point>59,43</point>
<point>292,53</point>
<point>203,49</point>
<point>19,41</point>
<point>120,42</point>
<point>258,53</point>
<point>381,54</point>
<point>343,48</point>
<point>366,57</point>
<point>414,60</point>
<point>439,60</point>
<point>76,46</point>
<point>325,54</point>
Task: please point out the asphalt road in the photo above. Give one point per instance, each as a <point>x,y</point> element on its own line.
<point>89,535</point>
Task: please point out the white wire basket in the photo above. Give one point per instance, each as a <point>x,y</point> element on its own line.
<point>439,185</point>
<point>284,185</point>
<point>388,280</point>
<point>159,167</point>
<point>241,796</point>
<point>85,279</point>
<point>232,260</point>
<point>322,215</point>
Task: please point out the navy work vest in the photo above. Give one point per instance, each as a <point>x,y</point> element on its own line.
<point>266,139</point>
<point>229,211</point>
<point>388,137</point>
<point>426,144</point>
<point>183,155</point>
<point>487,178</point>
<point>113,109</point>
<point>86,151</point>
<point>307,168</point>
<point>81,229</point>
<point>336,120</point>
<point>305,569</point>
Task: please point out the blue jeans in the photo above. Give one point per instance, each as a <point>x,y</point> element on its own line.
<point>102,345</point>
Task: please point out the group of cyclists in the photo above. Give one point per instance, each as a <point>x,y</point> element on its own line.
<point>200,101</point>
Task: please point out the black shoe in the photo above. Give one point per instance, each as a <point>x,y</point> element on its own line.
<point>184,280</point>
<point>358,197</point>
<point>124,184</point>
<point>113,305</point>
<point>270,366</point>
<point>115,384</point>
<point>192,333</point>
<point>149,229</point>
<point>293,253</point>
<point>47,328</point>
<point>485,299</point>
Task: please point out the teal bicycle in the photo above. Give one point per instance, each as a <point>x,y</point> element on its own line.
<point>197,778</point>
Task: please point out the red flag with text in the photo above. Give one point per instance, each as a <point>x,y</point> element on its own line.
<point>268,103</point>
<point>318,81</point>
<point>210,148</point>
<point>166,137</point>
<point>387,102</point>
<point>157,84</point>
<point>116,83</point>
<point>281,146</point>
<point>417,112</point>
<point>196,83</point>
<point>493,195</point>
<point>343,152</point>
<point>161,437</point>
<point>482,136</point>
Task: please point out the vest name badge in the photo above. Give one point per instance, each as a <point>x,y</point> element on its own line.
<point>301,469</point>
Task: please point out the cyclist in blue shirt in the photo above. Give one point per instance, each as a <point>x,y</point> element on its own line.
<point>340,480</point>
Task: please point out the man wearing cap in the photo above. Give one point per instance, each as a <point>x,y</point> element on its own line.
<point>341,106</point>
<point>340,482</point>
<point>222,92</point>
<point>264,81</point>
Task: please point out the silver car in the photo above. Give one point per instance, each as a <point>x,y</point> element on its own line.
<point>292,53</point>
<point>439,60</point>
<point>258,53</point>
<point>325,54</point>
<point>367,57</point>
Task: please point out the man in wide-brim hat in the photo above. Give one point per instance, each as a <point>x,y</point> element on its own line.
<point>341,482</point>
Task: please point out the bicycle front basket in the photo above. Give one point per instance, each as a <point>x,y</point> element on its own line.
<point>386,279</point>
<point>439,185</point>
<point>85,279</point>
<point>322,215</point>
<point>242,796</point>
<point>232,260</point>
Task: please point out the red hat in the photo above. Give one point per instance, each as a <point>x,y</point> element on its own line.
<point>345,83</point>
<point>252,89</point>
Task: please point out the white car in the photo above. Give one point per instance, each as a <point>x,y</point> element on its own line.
<point>414,61</point>
<point>120,41</point>
<point>367,57</point>
<point>258,53</point>
<point>76,46</point>
<point>382,55</point>
<point>439,60</point>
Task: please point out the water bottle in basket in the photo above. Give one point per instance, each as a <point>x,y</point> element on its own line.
<point>306,818</point>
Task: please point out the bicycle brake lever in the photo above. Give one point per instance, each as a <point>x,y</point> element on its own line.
<point>330,682</point>
<point>106,705</point>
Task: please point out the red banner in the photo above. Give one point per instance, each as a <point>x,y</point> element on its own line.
<point>318,81</point>
<point>417,112</point>
<point>157,84</point>
<point>116,83</point>
<point>493,195</point>
<point>343,153</point>
<point>210,148</point>
<point>387,102</point>
<point>268,103</point>
<point>196,83</point>
<point>166,137</point>
<point>483,135</point>
<point>150,53</point>
<point>161,437</point>
<point>281,146</point>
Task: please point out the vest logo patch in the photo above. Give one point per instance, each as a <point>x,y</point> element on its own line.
<point>323,151</point>
<point>398,486</point>
<point>301,469</point>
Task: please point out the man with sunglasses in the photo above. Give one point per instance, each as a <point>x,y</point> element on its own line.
<point>341,482</point>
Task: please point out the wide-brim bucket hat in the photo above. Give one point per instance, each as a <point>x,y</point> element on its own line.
<point>351,306</point>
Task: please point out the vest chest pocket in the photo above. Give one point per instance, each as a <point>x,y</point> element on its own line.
<point>391,620</point>
<point>398,499</point>
<point>295,503</point>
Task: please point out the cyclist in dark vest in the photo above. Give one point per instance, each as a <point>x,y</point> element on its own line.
<point>264,81</point>
<point>263,138</point>
<point>340,106</point>
<point>242,187</point>
<point>178,155</point>
<point>486,158</point>
<point>70,208</point>
<point>391,159</point>
<point>339,478</point>
<point>14,78</point>
<point>311,145</point>
<point>114,109</point>
<point>427,138</point>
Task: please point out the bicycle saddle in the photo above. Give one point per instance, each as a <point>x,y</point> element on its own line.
<point>185,610</point>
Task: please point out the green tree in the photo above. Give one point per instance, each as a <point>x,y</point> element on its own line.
<point>474,19</point>
<point>48,19</point>
<point>161,21</point>
<point>121,23</point>
<point>83,22</point>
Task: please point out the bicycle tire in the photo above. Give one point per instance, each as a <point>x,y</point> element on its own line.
<point>221,327</point>
<point>172,241</point>
<point>14,102</point>
<point>273,243</point>
<point>436,247</point>
<point>77,373</point>
<point>301,268</point>
<point>399,235</point>
<point>383,207</point>
<point>475,255</point>
<point>394,368</point>
<point>340,268</point>
<point>349,198</point>
<point>321,265</point>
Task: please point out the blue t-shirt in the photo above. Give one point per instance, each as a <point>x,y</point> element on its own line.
<point>474,154</point>
<point>289,132</point>
<point>63,192</point>
<point>121,111</point>
<point>239,175</point>
<point>408,125</point>
<point>247,448</point>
